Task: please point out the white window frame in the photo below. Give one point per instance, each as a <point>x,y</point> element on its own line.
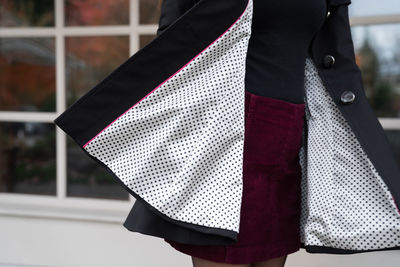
<point>387,123</point>
<point>61,206</point>
<point>91,209</point>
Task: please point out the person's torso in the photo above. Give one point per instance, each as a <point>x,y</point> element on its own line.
<point>281,33</point>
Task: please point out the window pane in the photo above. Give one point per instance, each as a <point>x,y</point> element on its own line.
<point>27,74</point>
<point>26,13</point>
<point>27,158</point>
<point>145,39</point>
<point>149,11</point>
<point>89,60</point>
<point>378,56</point>
<point>86,178</point>
<point>96,12</point>
<point>373,7</point>
<point>394,140</point>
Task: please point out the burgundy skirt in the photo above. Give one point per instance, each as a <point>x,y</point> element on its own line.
<point>270,210</point>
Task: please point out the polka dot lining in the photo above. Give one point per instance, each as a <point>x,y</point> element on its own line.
<point>345,202</point>
<point>180,148</point>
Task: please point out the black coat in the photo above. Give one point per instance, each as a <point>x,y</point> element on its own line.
<point>168,124</point>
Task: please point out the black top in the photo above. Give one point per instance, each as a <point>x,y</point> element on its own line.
<point>282,31</point>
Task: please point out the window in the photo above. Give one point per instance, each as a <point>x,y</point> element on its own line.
<point>376,36</point>
<point>51,53</point>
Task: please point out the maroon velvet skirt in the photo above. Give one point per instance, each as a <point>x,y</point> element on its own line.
<point>270,210</point>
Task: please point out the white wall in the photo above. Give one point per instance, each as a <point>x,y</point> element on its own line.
<point>56,242</point>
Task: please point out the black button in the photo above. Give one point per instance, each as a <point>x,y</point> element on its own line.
<point>347,97</point>
<point>328,61</point>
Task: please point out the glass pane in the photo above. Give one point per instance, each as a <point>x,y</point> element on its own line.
<point>373,7</point>
<point>150,11</point>
<point>27,158</point>
<point>394,140</point>
<point>96,12</point>
<point>145,39</point>
<point>91,59</point>
<point>86,178</point>
<point>26,13</point>
<point>27,74</point>
<point>378,56</point>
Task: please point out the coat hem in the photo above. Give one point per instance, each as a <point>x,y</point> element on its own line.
<point>331,250</point>
<point>148,220</point>
<point>144,219</point>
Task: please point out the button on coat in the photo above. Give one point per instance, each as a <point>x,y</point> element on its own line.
<point>328,61</point>
<point>347,97</point>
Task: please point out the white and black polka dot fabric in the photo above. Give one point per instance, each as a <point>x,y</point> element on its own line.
<point>181,147</point>
<point>345,203</point>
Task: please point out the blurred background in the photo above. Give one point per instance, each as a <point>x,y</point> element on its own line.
<point>58,207</point>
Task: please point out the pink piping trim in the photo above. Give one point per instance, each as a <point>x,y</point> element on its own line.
<point>167,78</point>
<point>397,207</point>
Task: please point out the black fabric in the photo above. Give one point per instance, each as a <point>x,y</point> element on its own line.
<point>330,250</point>
<point>171,10</point>
<point>281,34</point>
<point>339,2</point>
<point>143,220</point>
